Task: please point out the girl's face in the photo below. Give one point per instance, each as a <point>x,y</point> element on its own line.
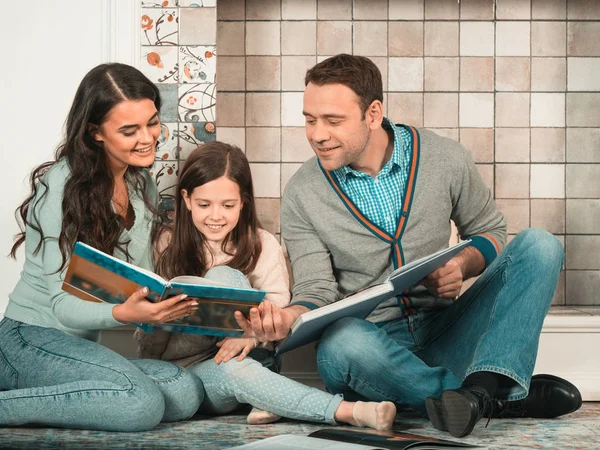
<point>129,134</point>
<point>215,208</point>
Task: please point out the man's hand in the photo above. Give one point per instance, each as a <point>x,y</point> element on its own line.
<point>445,282</point>
<point>269,322</point>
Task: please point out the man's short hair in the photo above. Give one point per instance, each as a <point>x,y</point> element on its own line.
<point>356,72</point>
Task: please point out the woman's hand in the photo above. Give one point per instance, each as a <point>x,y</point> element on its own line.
<point>230,347</point>
<point>138,309</point>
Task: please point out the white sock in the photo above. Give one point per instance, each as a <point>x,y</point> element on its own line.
<point>259,416</point>
<point>377,415</point>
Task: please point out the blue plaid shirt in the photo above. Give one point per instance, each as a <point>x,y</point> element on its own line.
<point>380,198</point>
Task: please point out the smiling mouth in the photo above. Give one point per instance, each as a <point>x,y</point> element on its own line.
<point>145,150</point>
<point>214,227</point>
<point>325,150</point>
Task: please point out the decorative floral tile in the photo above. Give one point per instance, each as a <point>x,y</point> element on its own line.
<point>198,3</point>
<point>159,26</point>
<point>170,100</point>
<point>165,174</point>
<point>168,142</point>
<point>159,3</point>
<point>197,102</point>
<point>191,135</point>
<point>160,64</point>
<point>197,64</point>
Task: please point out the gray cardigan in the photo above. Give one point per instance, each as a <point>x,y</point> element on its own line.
<point>333,253</point>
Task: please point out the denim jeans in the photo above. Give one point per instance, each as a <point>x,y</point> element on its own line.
<point>494,326</point>
<point>52,378</point>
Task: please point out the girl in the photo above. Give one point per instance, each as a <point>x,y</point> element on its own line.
<point>97,191</point>
<point>216,235</point>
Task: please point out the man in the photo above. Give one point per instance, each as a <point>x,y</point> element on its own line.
<point>378,196</point>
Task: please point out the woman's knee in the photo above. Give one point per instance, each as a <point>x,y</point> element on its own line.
<point>143,408</point>
<point>228,276</point>
<point>183,396</point>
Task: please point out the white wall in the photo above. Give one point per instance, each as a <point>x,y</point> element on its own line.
<point>52,44</point>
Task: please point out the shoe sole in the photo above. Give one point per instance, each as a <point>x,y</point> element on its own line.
<point>435,412</point>
<point>457,414</point>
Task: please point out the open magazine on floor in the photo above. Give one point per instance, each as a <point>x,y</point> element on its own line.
<point>310,326</point>
<point>95,276</point>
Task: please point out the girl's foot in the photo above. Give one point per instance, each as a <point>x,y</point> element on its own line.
<point>377,415</point>
<point>259,416</point>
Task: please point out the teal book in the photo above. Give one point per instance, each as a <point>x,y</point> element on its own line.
<point>95,276</point>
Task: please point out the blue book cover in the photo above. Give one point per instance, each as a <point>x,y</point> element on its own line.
<point>95,276</point>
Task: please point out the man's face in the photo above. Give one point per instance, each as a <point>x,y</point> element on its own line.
<point>335,126</point>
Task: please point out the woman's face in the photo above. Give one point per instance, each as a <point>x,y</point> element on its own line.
<point>129,134</point>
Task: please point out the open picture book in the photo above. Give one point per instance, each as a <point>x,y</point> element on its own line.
<point>98,277</point>
<point>310,326</point>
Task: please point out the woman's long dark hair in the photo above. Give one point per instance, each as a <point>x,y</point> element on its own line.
<point>87,213</point>
<point>186,252</point>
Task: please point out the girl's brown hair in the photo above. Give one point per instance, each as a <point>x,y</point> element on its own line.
<point>186,251</point>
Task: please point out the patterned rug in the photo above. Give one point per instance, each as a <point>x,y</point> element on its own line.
<point>580,430</point>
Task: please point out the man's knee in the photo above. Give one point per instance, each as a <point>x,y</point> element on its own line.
<point>344,341</point>
<point>540,247</point>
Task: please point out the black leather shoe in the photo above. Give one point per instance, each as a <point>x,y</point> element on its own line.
<point>458,410</point>
<point>548,397</point>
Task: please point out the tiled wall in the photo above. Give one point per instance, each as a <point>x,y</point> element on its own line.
<point>516,81</point>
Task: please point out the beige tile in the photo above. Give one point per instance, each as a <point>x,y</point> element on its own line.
<point>295,10</point>
<point>231,73</point>
<point>582,252</point>
<point>231,10</point>
<point>548,39</point>
<point>486,172</point>
<point>450,133</point>
<point>441,74</point>
<point>230,38</point>
<point>513,74</point>
<point>548,74</point>
<point>583,74</point>
<point>582,287</point>
<point>293,70</point>
<point>266,179</point>
<point>440,110</point>
<point>291,109</point>
<point>559,293</point>
<point>263,109</point>
<point>230,109</point>
<point>334,37</point>
<point>263,144</point>
<point>477,10</point>
<point>267,210</point>
<point>232,135</point>
<point>294,145</point>
<point>406,108</point>
<point>513,38</point>
<point>370,9</point>
<point>405,39</point>
<point>263,73</point>
<point>441,9</point>
<point>382,64</point>
<point>477,74</point>
<point>406,10</point>
<point>583,110</point>
<point>480,142</point>
<point>582,180</point>
<point>287,171</point>
<point>583,10</point>
<point>548,145</point>
<point>441,38</point>
<point>334,9</point>
<point>298,38</point>
<point>583,145</point>
<point>476,110</point>
<point>548,214</point>
<point>512,180</point>
<point>583,38</point>
<point>548,9</point>
<point>370,38</point>
<point>476,39</point>
<point>197,26</point>
<point>262,38</point>
<point>513,9</point>
<point>263,9</point>
<point>583,216</point>
<point>512,109</point>
<point>547,109</point>
<point>516,213</point>
<point>405,74</point>
<point>512,145</point>
<point>547,181</point>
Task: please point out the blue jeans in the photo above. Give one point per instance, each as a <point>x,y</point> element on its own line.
<point>52,378</point>
<point>494,326</point>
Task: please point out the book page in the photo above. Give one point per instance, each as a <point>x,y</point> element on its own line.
<point>292,442</point>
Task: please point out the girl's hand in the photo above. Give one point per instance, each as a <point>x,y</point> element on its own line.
<point>140,310</point>
<point>229,347</point>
